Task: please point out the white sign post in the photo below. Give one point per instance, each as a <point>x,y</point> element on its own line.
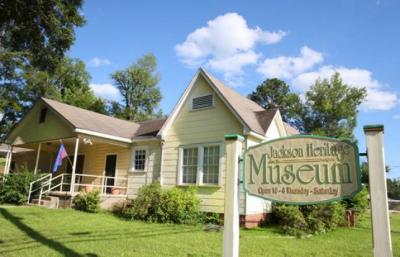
<point>231,213</point>
<point>377,182</point>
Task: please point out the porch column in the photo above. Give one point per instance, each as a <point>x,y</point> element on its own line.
<point>74,165</point>
<point>37,158</point>
<point>8,162</point>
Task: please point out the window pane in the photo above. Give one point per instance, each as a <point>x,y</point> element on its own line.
<point>211,165</point>
<point>140,159</point>
<point>189,165</point>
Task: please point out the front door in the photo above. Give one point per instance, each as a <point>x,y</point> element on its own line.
<point>111,166</point>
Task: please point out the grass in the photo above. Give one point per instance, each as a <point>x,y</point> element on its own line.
<point>34,231</point>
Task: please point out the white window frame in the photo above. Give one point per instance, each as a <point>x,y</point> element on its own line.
<point>200,159</point>
<point>133,155</point>
<point>204,108</point>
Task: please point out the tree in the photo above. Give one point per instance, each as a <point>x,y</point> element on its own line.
<point>37,33</point>
<point>275,93</point>
<point>34,35</point>
<point>138,87</point>
<point>69,83</point>
<point>331,108</point>
<point>393,188</point>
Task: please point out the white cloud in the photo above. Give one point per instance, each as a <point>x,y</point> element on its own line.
<point>287,67</point>
<point>226,44</point>
<point>106,91</point>
<point>232,66</point>
<point>97,62</point>
<point>377,99</point>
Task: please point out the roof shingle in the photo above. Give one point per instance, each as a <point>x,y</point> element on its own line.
<point>96,122</point>
<point>256,118</point>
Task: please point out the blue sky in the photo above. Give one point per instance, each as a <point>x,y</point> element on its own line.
<point>243,44</point>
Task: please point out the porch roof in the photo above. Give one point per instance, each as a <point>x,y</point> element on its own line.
<point>87,121</point>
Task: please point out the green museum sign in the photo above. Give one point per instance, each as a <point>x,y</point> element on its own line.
<point>302,170</point>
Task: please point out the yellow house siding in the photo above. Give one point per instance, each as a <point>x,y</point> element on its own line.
<point>198,127</point>
<point>137,179</point>
<point>30,130</point>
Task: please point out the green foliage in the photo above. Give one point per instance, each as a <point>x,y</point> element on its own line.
<point>291,220</point>
<point>212,218</point>
<point>359,203</point>
<point>179,206</point>
<point>309,219</point>
<point>175,205</point>
<point>393,188</point>
<point>69,83</point>
<point>331,108</point>
<point>14,188</point>
<point>33,36</point>
<point>138,87</point>
<point>88,202</point>
<point>40,31</point>
<point>275,93</point>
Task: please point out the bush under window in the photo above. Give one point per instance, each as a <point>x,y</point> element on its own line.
<point>175,205</point>
<point>88,202</point>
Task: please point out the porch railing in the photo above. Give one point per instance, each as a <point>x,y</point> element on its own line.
<point>83,182</point>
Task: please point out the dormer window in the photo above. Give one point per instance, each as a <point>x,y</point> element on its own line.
<point>202,102</point>
<point>43,114</point>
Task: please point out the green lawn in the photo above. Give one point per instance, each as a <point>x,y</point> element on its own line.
<point>33,231</point>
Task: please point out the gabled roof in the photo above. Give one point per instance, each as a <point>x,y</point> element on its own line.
<point>86,120</point>
<point>290,130</point>
<point>254,116</point>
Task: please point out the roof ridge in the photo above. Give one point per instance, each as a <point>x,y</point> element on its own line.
<point>144,121</point>
<point>231,90</point>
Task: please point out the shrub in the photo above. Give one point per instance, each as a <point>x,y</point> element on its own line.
<point>14,188</point>
<point>291,220</point>
<point>88,202</point>
<point>324,217</point>
<point>359,203</point>
<point>309,219</point>
<point>175,205</point>
<point>144,206</point>
<point>212,218</point>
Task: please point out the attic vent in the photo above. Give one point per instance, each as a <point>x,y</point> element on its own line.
<point>202,102</point>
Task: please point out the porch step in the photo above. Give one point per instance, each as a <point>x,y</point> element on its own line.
<point>59,194</point>
<point>47,201</point>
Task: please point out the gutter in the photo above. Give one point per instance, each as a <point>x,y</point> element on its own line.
<point>256,135</point>
<point>98,134</point>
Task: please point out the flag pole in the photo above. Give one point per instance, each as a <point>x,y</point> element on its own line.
<point>70,162</point>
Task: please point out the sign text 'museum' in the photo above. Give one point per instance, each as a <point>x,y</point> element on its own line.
<point>302,169</point>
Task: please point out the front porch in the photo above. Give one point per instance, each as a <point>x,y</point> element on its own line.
<point>92,164</point>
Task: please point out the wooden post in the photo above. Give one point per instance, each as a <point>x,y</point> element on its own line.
<point>74,166</point>
<point>37,158</point>
<point>231,213</point>
<point>8,161</point>
<point>6,164</point>
<point>382,242</point>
